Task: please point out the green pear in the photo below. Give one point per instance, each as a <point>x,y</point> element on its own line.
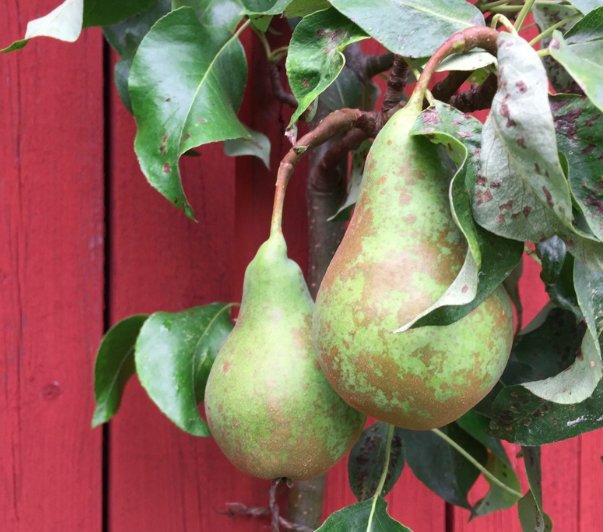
<point>268,404</point>
<point>400,253</point>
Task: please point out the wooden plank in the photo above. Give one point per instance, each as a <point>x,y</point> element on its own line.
<point>51,278</point>
<point>160,478</point>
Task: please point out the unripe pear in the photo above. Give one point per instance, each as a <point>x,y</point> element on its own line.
<point>268,404</point>
<point>400,253</point>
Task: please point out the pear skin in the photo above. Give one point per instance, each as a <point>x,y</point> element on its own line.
<point>268,404</point>
<point>400,253</point>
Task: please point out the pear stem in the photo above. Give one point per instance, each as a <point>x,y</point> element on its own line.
<point>334,123</point>
<point>460,42</point>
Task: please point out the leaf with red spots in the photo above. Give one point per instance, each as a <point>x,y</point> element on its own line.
<point>523,194</point>
<point>186,85</point>
<point>315,57</point>
<point>579,126</point>
<point>174,354</point>
<point>580,50</point>
<point>490,259</point>
<point>545,16</point>
<point>366,461</point>
<point>531,514</point>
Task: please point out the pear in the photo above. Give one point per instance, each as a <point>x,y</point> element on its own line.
<point>268,404</point>
<point>400,253</point>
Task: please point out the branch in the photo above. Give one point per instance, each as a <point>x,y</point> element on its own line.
<point>445,89</point>
<point>476,98</point>
<point>257,512</point>
<point>279,91</point>
<point>375,64</point>
<point>395,84</point>
<point>334,123</point>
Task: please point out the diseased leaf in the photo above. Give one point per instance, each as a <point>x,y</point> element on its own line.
<point>579,127</point>
<point>124,37</point>
<point>174,354</point>
<point>579,51</point>
<point>522,193</point>
<point>531,515</point>
<point>518,416</point>
<point>356,517</point>
<point>114,366</point>
<point>490,259</point>
<point>440,467</point>
<point>411,28</point>
<point>545,16</point>
<point>186,85</point>
<point>367,458</point>
<point>498,464</point>
<point>315,58</point>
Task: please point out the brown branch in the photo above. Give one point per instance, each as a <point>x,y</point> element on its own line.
<point>375,64</point>
<point>476,98</point>
<point>395,84</point>
<point>279,91</point>
<point>273,505</point>
<point>237,509</point>
<point>445,89</point>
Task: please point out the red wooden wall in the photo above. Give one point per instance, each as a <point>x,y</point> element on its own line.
<point>85,242</point>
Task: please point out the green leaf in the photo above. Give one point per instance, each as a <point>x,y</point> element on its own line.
<point>411,28</point>
<point>511,284</point>
<point>63,23</point>
<point>186,85</point>
<point>557,273</point>
<point>490,259</point>
<point>356,518</point>
<point>367,458</point>
<point>314,59</point>
<point>467,62</point>
<point>125,37</point>
<point>66,21</point>
<point>586,6</point>
<point>257,145</point>
<point>114,366</point>
<point>355,180</point>
<point>105,12</point>
<point>518,416</point>
<point>578,51</point>
<point>440,467</point>
<point>544,348</point>
<point>522,193</point>
<point>531,515</point>
<point>222,14</point>
<point>265,7</point>
<point>174,354</point>
<point>579,127</point>
<point>545,16</point>
<point>498,464</point>
<point>301,8</point>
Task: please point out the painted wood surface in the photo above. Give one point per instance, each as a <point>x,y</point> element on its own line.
<point>51,278</point>
<point>51,272</point>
